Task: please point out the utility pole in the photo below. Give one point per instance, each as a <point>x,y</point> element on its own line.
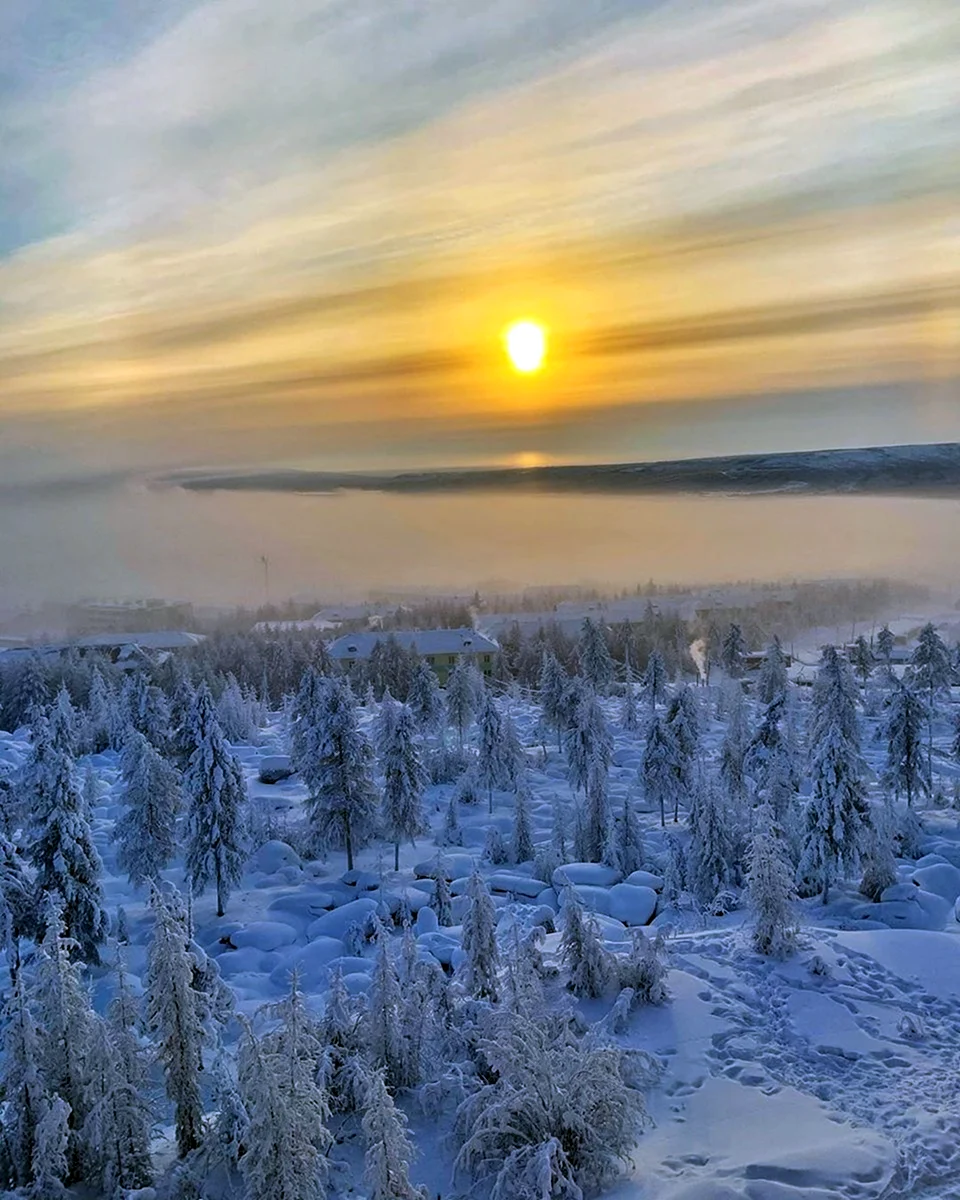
<point>266,578</point>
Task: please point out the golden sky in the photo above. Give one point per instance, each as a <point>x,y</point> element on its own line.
<point>239,233</point>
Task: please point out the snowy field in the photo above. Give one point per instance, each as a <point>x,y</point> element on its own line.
<point>831,1072</point>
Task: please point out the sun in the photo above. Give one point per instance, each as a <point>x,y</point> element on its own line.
<point>526,345</point>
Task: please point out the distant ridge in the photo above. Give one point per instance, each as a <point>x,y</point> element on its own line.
<point>931,470</point>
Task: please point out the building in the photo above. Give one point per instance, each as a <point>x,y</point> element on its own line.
<point>442,649</point>
<point>128,616</point>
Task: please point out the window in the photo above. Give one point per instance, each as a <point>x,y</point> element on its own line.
<point>486,658</point>
<point>453,660</point>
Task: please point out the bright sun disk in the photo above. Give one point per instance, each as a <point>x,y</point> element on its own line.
<point>526,345</point>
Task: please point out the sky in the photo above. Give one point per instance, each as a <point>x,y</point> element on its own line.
<point>238,234</point>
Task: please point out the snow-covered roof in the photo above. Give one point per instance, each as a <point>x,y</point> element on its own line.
<point>154,639</point>
<point>426,641</point>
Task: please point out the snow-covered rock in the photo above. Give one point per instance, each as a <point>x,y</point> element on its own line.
<point>645,879</point>
<point>919,910</point>
<point>453,866</point>
<point>274,768</point>
<point>335,924</point>
<point>311,961</point>
<point>426,921</point>
<point>362,881</point>
<point>940,878</point>
<point>273,857</point>
<point>632,905</point>
<point>590,874</point>
<point>514,884</point>
<point>594,899</point>
<point>264,935</point>
<point>442,946</point>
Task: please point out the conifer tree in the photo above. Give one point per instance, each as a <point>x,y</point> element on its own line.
<point>587,742</point>
<point>552,689</point>
<point>62,850</point>
<point>660,767</point>
<point>523,847</point>
<point>512,753</point>
<point>582,952</point>
<point>216,794</point>
<point>27,694</point>
<point>710,864</point>
<point>861,659</point>
<point>683,722</point>
<point>628,839</point>
<point>425,699</point>
<point>596,665</point>
<point>389,1150</point>
<point>491,762</point>
<point>837,809</point>
<point>404,779</point>
<point>50,1150</point>
<point>384,1036</point>
<point>772,893</point>
<point>733,651</point>
<point>932,672</point>
<point>733,750</point>
<point>628,709</point>
<point>461,697</point>
<point>343,802</point>
<point>905,770</point>
<point>885,644</point>
<point>22,1084</point>
<point>451,834</point>
<point>772,682</point>
<point>287,1137</point>
<point>174,1016</point>
<point>653,687</point>
<point>100,715</point>
<point>146,832</point>
<point>441,898</point>
<point>480,941</point>
<point>877,856</point>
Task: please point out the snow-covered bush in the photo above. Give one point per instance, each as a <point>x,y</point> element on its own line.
<point>644,970</point>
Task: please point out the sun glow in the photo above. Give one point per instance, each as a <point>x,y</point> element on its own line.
<point>526,346</point>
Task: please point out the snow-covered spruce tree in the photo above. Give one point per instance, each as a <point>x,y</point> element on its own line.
<point>772,892</point>
<point>64,722</point>
<point>710,865</point>
<point>425,698</point>
<point>384,1035</point>
<point>173,1015</point>
<point>551,693</point>
<point>513,754</point>
<point>628,707</point>
<point>932,673</point>
<point>117,1128</point>
<point>18,902</point>
<point>341,1034</point>
<point>861,659</point>
<point>733,651</point>
<point>837,810</point>
<point>733,750</point>
<point>181,706</point>
<point>51,1147</point>
<point>523,849</point>
<point>683,722</point>
<point>593,655</point>
<point>26,695</point>
<point>905,770</point>
<point>674,872</point>
<point>304,718</point>
<point>216,795</point>
<point>100,715</point>
<point>598,816</point>
<point>404,779</point>
<point>61,849</point>
<point>885,644</point>
<point>440,903</point>
<point>343,801</point>
<point>492,770</point>
<point>462,697</point>
<point>556,1117</point>
<point>389,1153</point>
<point>589,966</point>
<point>653,685</point>
<point>224,1143</point>
<point>21,1085</point>
<point>236,713</point>
<point>146,832</point>
<point>628,838</point>
<point>383,723</point>
<point>772,681</point>
<point>877,855</point>
<point>63,1010</point>
<point>451,834</point>
<point>660,767</point>
<point>287,1137</point>
<point>644,970</point>
<point>144,706</point>
<point>480,941</point>
<point>587,742</point>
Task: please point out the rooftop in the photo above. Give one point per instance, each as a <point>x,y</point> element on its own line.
<point>426,641</point>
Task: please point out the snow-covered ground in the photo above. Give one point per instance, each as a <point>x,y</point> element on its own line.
<point>835,1073</point>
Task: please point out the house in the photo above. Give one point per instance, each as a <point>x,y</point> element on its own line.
<point>442,649</point>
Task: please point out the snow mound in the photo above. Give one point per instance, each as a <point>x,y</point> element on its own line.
<point>335,924</point>
<point>264,935</point>
<point>632,905</point>
<point>645,879</point>
<point>273,857</point>
<point>513,884</point>
<point>941,879</point>
<point>589,874</point>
